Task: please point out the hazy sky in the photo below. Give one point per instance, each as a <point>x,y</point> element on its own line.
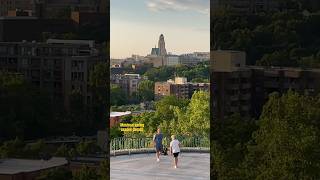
<point>137,24</point>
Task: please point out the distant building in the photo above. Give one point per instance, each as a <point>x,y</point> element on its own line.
<point>84,18</point>
<point>157,61</point>
<point>172,60</point>
<point>27,169</point>
<point>162,46</point>
<point>115,117</point>
<point>155,51</point>
<point>246,6</point>
<point>59,66</point>
<point>5,6</point>
<point>178,87</point>
<point>18,12</point>
<point>24,4</point>
<point>127,82</point>
<point>49,8</point>
<point>33,28</point>
<point>194,58</point>
<point>158,55</point>
<point>237,88</point>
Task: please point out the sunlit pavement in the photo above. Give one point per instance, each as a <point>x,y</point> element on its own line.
<point>145,167</point>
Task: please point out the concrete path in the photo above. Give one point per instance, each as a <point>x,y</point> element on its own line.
<point>193,166</point>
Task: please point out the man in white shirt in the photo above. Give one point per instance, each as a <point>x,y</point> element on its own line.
<point>175,149</point>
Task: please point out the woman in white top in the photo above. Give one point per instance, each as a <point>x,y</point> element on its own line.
<point>175,149</point>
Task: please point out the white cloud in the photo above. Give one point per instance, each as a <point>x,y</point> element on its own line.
<point>201,6</point>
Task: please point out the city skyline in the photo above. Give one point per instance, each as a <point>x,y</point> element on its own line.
<point>137,25</point>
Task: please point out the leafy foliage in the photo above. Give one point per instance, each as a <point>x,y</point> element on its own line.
<point>178,116</point>
<point>200,72</point>
<point>283,145</point>
<point>87,148</point>
<point>146,90</point>
<point>117,96</point>
<point>85,173</point>
<point>56,174</point>
<point>286,145</point>
<point>269,37</point>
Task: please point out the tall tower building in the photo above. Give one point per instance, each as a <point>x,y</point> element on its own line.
<point>162,46</point>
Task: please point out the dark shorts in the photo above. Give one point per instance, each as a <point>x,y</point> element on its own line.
<point>159,148</point>
<point>176,154</point>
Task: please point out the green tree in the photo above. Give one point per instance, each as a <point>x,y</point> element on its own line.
<point>194,119</point>
<point>100,86</point>
<point>12,149</point>
<point>146,90</point>
<point>104,170</point>
<point>36,150</point>
<point>62,151</point>
<point>87,148</point>
<point>26,111</point>
<point>150,120</point>
<point>160,74</point>
<point>165,107</point>
<point>286,145</point>
<point>56,174</point>
<point>228,145</point>
<point>115,132</point>
<point>85,173</point>
<point>117,96</point>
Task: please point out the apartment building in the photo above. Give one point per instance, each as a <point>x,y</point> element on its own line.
<point>231,84</point>
<point>33,28</point>
<point>128,82</point>
<point>246,6</point>
<point>5,6</point>
<point>237,88</point>
<point>57,66</point>
<point>178,87</point>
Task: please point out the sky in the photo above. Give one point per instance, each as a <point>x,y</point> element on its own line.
<point>137,24</point>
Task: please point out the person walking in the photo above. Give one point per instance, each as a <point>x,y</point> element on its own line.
<point>175,149</point>
<point>157,140</point>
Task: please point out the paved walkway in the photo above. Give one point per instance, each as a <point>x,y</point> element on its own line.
<point>193,166</point>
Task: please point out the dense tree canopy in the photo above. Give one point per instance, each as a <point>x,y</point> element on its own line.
<point>178,116</point>
<point>30,112</point>
<point>283,145</point>
<point>281,38</point>
<point>146,90</point>
<point>198,72</point>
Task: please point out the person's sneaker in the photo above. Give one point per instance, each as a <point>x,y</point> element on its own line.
<point>175,167</point>
<point>158,159</point>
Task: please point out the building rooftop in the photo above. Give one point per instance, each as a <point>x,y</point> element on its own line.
<point>143,166</point>
<point>284,68</point>
<point>15,166</point>
<point>228,51</point>
<point>18,17</point>
<point>118,114</point>
<point>155,51</point>
<point>61,41</point>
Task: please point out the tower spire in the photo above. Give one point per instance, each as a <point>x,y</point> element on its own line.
<point>162,46</point>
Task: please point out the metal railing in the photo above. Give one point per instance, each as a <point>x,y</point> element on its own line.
<point>125,144</point>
